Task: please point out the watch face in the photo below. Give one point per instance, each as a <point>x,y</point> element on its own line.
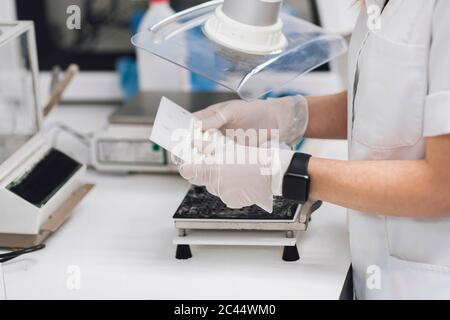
<point>296,188</point>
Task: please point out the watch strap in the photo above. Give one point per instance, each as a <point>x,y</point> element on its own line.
<point>296,181</point>
<point>299,164</point>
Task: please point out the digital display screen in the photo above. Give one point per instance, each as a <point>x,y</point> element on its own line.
<point>38,185</point>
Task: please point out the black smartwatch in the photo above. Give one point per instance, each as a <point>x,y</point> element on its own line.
<point>296,181</point>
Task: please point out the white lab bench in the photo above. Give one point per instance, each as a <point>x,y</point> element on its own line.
<point>118,244</point>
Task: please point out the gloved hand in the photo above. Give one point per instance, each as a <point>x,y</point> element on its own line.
<point>288,115</point>
<point>240,175</point>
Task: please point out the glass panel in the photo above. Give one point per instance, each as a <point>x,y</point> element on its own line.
<point>18,119</point>
<point>251,76</point>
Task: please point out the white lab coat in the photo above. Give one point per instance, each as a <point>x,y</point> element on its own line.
<point>399,94</point>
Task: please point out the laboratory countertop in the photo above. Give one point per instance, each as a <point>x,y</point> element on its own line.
<point>118,244</point>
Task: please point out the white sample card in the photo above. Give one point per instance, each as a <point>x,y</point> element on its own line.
<point>173,129</point>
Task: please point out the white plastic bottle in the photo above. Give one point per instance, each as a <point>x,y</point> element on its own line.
<point>155,73</point>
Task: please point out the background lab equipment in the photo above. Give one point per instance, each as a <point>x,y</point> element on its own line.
<point>39,185</point>
<point>123,146</point>
<point>98,80</point>
<point>252,49</point>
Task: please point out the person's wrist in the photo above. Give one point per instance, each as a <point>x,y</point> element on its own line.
<point>281,160</point>
<point>313,170</point>
<point>298,125</point>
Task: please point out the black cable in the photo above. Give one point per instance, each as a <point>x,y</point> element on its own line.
<point>5,257</point>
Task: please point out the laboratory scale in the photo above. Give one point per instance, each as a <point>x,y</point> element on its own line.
<point>124,145</point>
<point>203,219</point>
<point>39,184</point>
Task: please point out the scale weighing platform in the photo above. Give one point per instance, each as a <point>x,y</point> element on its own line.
<point>203,219</point>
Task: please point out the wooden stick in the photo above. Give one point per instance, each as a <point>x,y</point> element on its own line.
<point>56,95</point>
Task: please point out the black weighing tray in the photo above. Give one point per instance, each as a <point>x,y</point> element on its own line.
<point>199,204</point>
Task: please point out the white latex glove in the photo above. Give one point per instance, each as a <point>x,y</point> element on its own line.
<point>254,179</point>
<point>288,115</point>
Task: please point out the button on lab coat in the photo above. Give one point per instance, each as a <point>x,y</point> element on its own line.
<point>399,94</point>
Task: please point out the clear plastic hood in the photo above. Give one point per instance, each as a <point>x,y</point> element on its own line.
<point>250,75</point>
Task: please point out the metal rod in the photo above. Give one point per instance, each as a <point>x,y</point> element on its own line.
<point>56,95</point>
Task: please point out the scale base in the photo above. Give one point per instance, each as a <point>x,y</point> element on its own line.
<point>183,252</point>
<point>290,254</point>
<point>285,239</point>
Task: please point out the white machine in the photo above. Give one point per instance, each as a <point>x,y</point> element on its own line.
<point>126,148</point>
<point>39,185</point>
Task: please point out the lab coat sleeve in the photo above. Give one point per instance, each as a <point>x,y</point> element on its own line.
<point>437,107</point>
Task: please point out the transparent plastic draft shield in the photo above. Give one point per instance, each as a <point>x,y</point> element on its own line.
<point>251,76</point>
<point>18,103</point>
